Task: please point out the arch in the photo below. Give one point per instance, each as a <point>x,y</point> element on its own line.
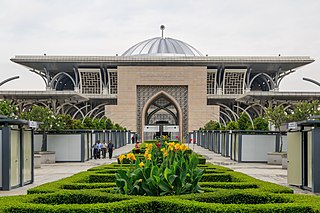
<point>37,103</point>
<point>225,114</point>
<point>235,116</point>
<point>79,110</point>
<point>91,111</point>
<point>220,117</point>
<point>263,74</point>
<point>99,113</point>
<point>58,75</point>
<point>224,121</point>
<point>72,106</point>
<point>243,110</point>
<point>256,104</point>
<point>162,108</point>
<point>154,98</point>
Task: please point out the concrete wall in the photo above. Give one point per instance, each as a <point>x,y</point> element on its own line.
<point>285,143</point>
<point>256,147</point>
<point>67,147</point>
<point>37,142</point>
<point>131,76</point>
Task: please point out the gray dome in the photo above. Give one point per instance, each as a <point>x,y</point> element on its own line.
<point>160,46</point>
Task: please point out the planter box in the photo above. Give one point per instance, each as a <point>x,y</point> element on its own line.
<point>274,158</point>
<point>284,161</point>
<point>37,161</point>
<point>47,157</point>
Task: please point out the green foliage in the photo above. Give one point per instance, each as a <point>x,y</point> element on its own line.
<point>241,193</point>
<point>8,109</point>
<point>261,123</point>
<point>232,125</point>
<point>276,115</point>
<point>172,170</point>
<point>41,114</point>
<point>212,125</point>
<point>304,110</point>
<point>244,122</point>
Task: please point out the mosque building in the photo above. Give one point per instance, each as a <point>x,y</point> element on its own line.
<point>159,86</point>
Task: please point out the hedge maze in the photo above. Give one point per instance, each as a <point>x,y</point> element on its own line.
<point>224,191</point>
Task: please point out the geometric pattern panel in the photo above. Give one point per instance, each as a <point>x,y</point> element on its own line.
<point>90,81</point>
<point>233,82</point>
<point>179,93</point>
<point>113,77</point>
<point>162,117</point>
<point>211,77</point>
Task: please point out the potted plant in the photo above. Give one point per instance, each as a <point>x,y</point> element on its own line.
<point>277,116</point>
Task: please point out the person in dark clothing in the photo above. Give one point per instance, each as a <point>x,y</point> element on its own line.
<point>133,139</point>
<point>110,149</point>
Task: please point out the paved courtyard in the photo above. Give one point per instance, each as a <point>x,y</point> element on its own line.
<point>51,172</point>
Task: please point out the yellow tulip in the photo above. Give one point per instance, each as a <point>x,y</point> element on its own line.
<point>165,154</point>
<point>163,149</point>
<point>183,147</point>
<point>150,146</point>
<point>131,157</point>
<point>121,157</point>
<point>141,164</point>
<point>146,153</point>
<point>149,157</point>
<point>177,147</point>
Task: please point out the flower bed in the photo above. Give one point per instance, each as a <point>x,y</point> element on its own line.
<point>93,191</point>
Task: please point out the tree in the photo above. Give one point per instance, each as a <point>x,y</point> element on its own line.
<point>8,109</point>
<point>260,123</point>
<point>304,110</point>
<point>244,122</point>
<point>43,115</point>
<point>232,125</point>
<point>277,116</point>
<point>212,125</point>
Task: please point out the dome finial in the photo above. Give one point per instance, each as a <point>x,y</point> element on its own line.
<point>162,27</point>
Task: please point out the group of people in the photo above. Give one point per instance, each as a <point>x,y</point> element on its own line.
<point>102,149</point>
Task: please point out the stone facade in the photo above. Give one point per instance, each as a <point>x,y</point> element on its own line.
<point>130,77</point>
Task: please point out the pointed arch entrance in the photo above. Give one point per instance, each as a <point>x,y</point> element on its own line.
<point>162,111</point>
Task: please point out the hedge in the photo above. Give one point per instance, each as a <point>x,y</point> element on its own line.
<point>224,191</point>
<point>288,203</point>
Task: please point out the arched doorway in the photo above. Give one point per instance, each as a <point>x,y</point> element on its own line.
<point>161,115</point>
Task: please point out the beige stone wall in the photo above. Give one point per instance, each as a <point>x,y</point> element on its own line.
<point>130,76</point>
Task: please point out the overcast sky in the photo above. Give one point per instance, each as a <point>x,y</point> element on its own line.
<point>109,27</point>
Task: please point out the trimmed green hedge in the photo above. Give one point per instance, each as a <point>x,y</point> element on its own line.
<point>177,204</point>
<point>224,191</point>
